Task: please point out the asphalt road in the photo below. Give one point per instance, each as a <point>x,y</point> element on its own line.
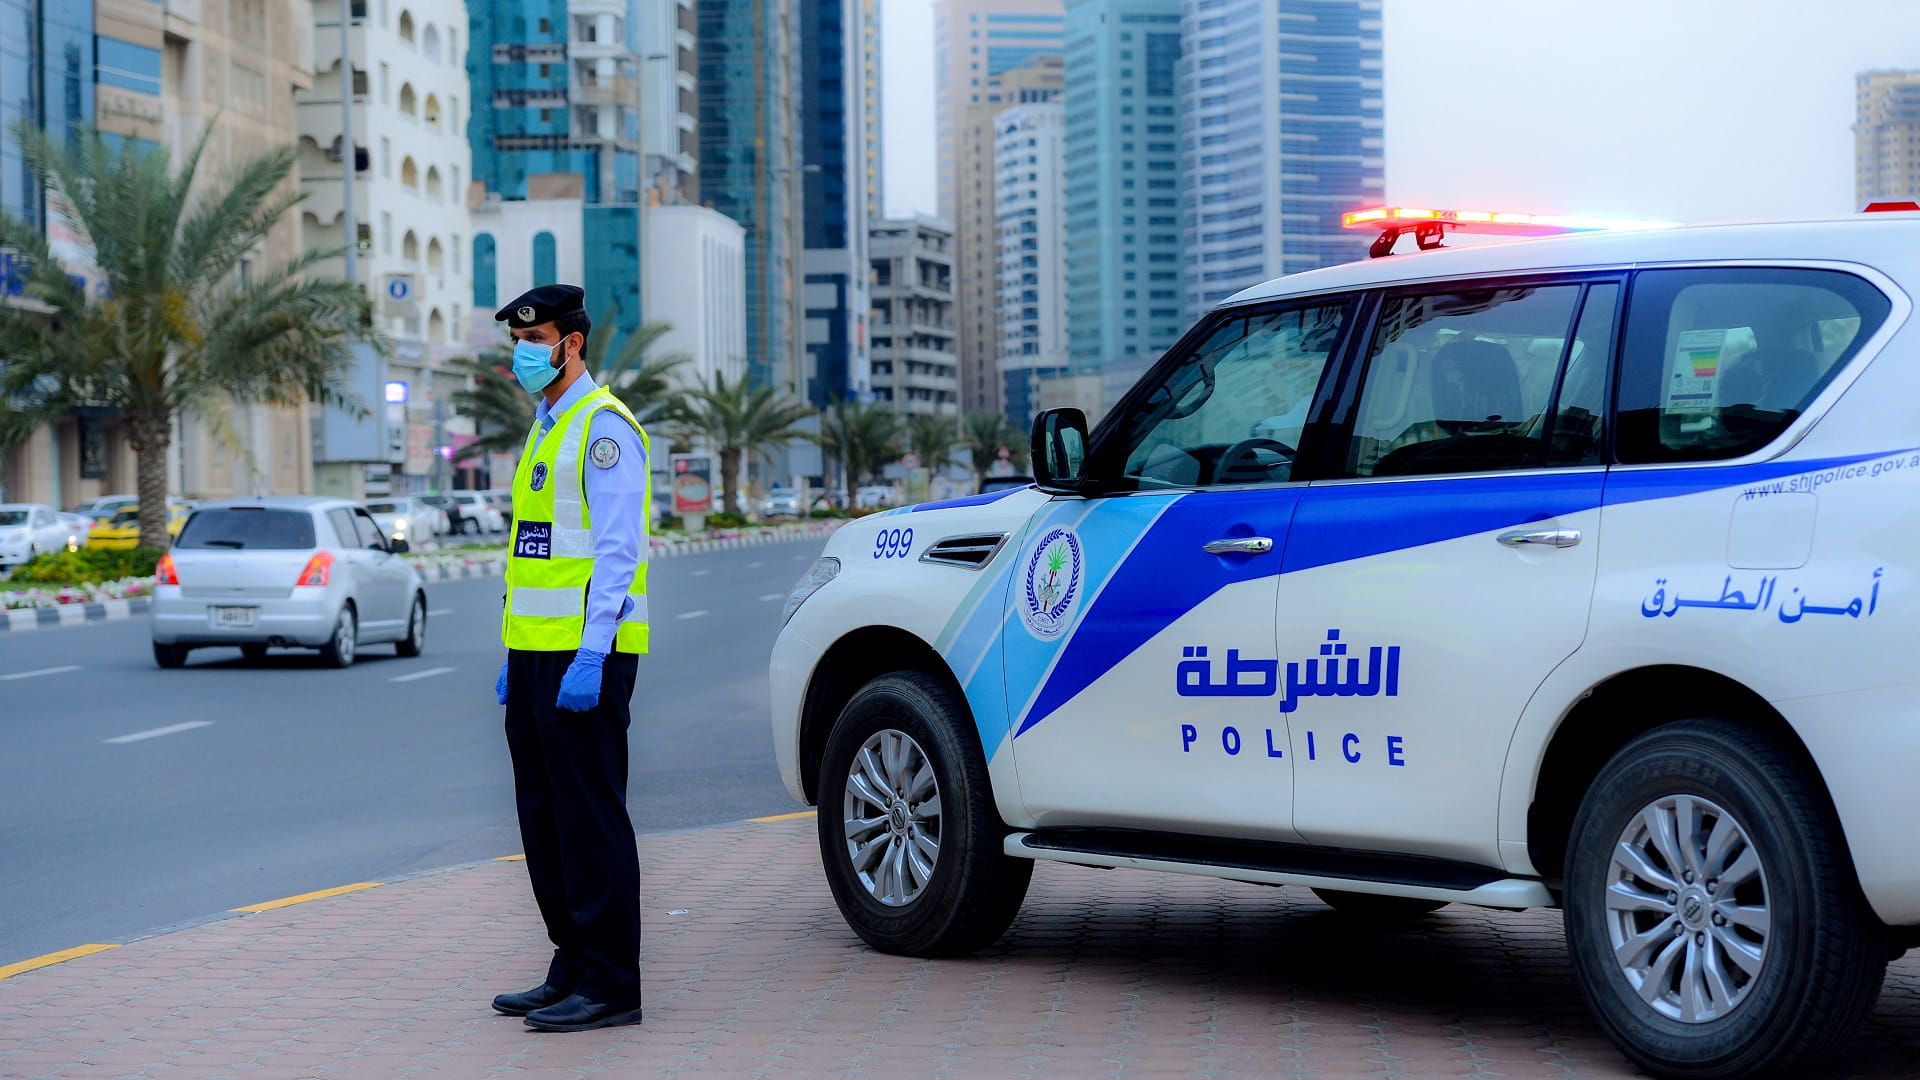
<point>305,778</point>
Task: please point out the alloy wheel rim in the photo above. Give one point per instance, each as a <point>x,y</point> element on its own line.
<point>1687,908</point>
<point>891,817</point>
<point>343,637</point>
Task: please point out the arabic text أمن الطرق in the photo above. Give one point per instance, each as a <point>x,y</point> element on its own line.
<point>1791,610</point>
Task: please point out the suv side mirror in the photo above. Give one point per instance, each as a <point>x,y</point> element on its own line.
<point>399,547</point>
<point>1059,450</point>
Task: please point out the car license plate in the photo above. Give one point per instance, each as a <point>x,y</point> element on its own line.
<point>240,617</point>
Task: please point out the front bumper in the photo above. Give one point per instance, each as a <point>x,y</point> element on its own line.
<point>304,619</point>
<point>14,554</point>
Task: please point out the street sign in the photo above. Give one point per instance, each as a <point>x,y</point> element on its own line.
<point>910,461</point>
<point>398,288</point>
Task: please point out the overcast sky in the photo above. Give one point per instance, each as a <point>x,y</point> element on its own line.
<point>1683,110</point>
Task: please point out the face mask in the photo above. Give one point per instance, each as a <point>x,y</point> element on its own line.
<point>533,365</point>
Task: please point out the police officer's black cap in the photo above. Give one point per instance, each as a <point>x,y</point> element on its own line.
<point>546,304</point>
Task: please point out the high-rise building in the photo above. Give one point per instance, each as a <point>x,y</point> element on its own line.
<point>835,130</point>
<point>669,101</point>
<point>696,280</point>
<point>47,82</point>
<point>1281,101</point>
<point>915,370</point>
<point>1029,196</point>
<point>987,54</point>
<point>1886,136</point>
<point>750,168</point>
<point>867,77</point>
<point>1122,185</point>
<point>555,86</point>
<point>976,230</point>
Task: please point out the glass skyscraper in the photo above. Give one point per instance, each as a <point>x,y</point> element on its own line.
<point>836,129</point>
<point>46,81</point>
<point>1122,165</point>
<point>1271,163</point>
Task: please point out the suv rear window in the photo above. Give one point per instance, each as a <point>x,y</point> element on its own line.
<point>1716,363</point>
<point>250,529</point>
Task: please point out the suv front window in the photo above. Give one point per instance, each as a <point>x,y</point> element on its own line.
<point>1234,409</point>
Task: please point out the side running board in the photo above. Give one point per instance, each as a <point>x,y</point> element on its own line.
<point>1269,863</point>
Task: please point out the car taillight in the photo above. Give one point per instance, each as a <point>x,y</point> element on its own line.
<point>317,569</point>
<point>163,573</point>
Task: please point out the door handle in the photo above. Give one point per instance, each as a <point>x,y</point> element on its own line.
<point>1560,538</point>
<point>1239,545</point>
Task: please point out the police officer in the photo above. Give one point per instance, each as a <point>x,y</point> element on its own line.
<point>575,625</point>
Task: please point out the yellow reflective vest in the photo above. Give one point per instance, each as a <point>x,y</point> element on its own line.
<point>550,563</point>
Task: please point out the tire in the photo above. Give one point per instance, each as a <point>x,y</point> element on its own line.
<point>339,649</point>
<point>1734,991</point>
<point>254,653</point>
<point>169,656</point>
<point>416,639</point>
<point>1377,908</point>
<point>974,889</point>
<point>469,526</point>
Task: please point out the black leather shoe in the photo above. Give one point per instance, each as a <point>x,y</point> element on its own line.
<point>579,1014</point>
<point>528,1000</point>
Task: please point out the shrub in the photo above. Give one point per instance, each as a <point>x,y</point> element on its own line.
<point>88,566</point>
<point>724,520</point>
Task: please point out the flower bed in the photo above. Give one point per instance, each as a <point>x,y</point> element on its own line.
<point>56,595</point>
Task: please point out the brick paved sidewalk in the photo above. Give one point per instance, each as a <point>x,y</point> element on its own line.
<point>1107,973</point>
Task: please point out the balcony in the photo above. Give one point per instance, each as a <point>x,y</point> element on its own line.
<point>619,91</point>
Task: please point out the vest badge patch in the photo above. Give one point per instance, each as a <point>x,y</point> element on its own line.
<point>533,539</point>
<point>604,453</point>
<point>539,475</point>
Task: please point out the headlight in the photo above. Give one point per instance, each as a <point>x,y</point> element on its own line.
<point>822,571</point>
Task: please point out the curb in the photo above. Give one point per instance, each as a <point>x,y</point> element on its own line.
<point>47,960</point>
<point>47,618</point>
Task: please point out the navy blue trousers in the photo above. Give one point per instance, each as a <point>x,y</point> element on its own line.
<point>570,784</point>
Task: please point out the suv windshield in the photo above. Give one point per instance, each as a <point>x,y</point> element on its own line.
<point>248,527</point>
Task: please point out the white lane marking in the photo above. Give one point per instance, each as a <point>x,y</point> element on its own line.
<point>155,733</point>
<point>439,611</point>
<point>691,614</point>
<point>701,573</point>
<point>427,674</point>
<point>772,596</point>
<point>39,672</point>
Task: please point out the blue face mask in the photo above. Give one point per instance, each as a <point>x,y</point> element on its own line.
<point>533,366</point>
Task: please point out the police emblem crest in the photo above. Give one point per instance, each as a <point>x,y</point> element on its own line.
<point>1052,583</point>
<point>603,453</point>
<point>539,475</point>
<point>525,313</point>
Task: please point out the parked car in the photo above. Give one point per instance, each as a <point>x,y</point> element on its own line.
<point>502,503</point>
<point>27,530</point>
<point>409,519</point>
<point>286,571</point>
<point>449,512</point>
<point>874,498</point>
<point>784,502</point>
<point>105,506</point>
<point>122,530</point>
<point>1002,483</point>
<point>79,529</point>
<point>1567,573</point>
<point>830,500</point>
<point>477,514</point>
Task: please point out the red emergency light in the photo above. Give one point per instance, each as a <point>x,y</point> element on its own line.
<point>1429,227</point>
<point>1889,207</point>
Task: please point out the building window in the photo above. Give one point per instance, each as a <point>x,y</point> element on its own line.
<point>126,65</point>
<point>486,293</point>
<point>386,233</point>
<point>545,259</point>
<point>406,26</point>
<point>409,102</point>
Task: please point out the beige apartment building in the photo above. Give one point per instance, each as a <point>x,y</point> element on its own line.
<point>1886,136</point>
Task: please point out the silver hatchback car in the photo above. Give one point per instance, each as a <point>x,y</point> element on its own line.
<point>293,571</point>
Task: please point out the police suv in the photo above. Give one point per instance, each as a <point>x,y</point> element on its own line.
<point>1576,571</point>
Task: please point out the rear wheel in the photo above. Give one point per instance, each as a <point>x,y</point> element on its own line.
<point>338,651</point>
<point>169,656</point>
<point>1374,907</point>
<point>909,834</point>
<point>1714,922</point>
<point>254,652</point>
<point>416,638</point>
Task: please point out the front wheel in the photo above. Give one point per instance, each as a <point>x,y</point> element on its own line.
<point>908,830</point>
<point>1711,911</point>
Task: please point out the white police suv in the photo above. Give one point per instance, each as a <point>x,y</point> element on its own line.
<point>1576,571</point>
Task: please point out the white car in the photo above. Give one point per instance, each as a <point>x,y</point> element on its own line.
<point>412,520</point>
<point>30,529</point>
<point>874,498</point>
<point>1573,572</point>
<point>104,507</point>
<point>286,571</point>
<point>479,515</point>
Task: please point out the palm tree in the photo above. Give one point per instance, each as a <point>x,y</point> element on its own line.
<point>861,437</point>
<point>181,324</point>
<point>502,412</point>
<point>986,433</point>
<point>740,420</point>
<point>932,439</point>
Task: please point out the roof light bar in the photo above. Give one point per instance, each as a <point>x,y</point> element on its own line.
<point>1430,226</point>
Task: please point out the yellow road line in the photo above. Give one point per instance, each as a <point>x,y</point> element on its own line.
<point>52,958</point>
<point>304,897</point>
<point>784,817</point>
<point>511,858</point>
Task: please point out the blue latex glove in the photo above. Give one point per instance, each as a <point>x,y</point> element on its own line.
<point>580,686</point>
<point>500,684</point>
